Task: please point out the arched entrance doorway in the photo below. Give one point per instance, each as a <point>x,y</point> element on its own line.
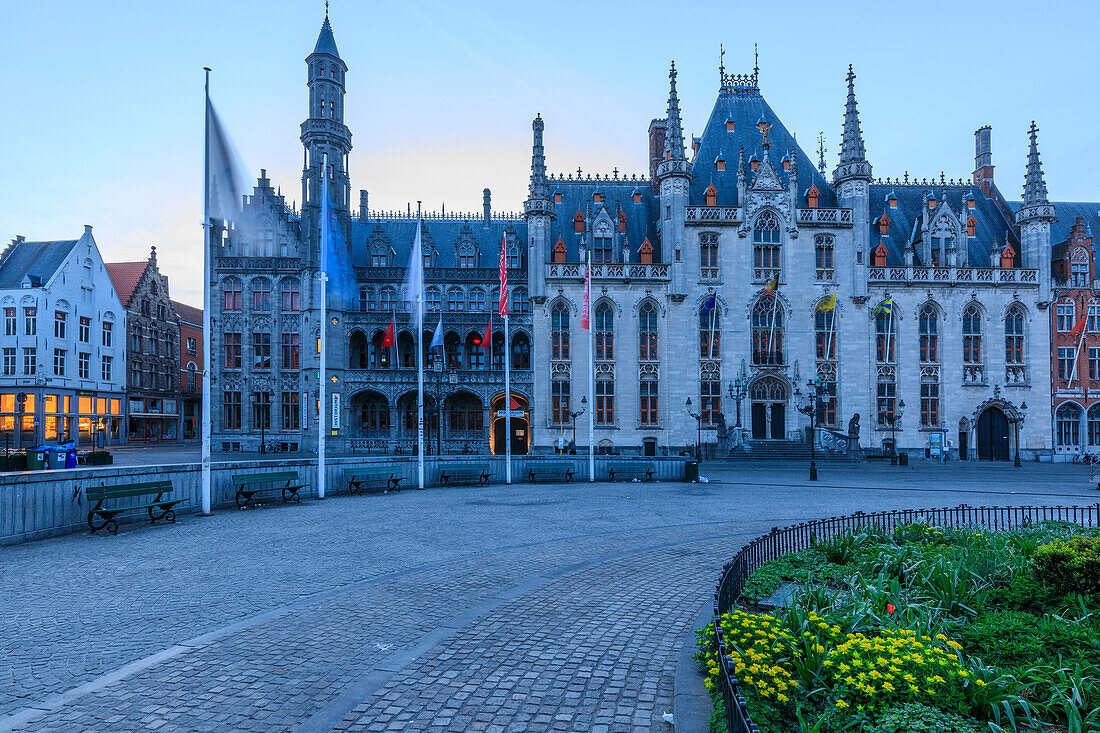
<point>992,435</point>
<point>521,433</point>
<point>768,397</point>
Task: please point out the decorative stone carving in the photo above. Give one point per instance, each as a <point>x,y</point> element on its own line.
<point>710,370</point>
<point>648,370</point>
<point>886,372</point>
<point>930,373</point>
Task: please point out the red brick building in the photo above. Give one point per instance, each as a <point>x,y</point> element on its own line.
<point>1075,338</point>
<point>191,367</point>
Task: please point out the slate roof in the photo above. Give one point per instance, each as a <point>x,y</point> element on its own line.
<point>442,235</point>
<point>745,111</point>
<point>576,195</point>
<point>126,276</point>
<point>991,225</point>
<point>325,41</point>
<point>40,260</point>
<point>188,313</point>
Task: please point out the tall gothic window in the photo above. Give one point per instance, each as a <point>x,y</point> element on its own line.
<point>647,393</point>
<point>559,332</point>
<point>647,333</point>
<point>767,331</point>
<point>456,303</point>
<point>232,290</point>
<point>1094,424</point>
<point>605,402</point>
<point>930,405</point>
<point>291,296</point>
<point>521,302</point>
<point>708,255</point>
<point>823,256</point>
<point>972,335</point>
<point>521,352</point>
<point>710,400</point>
<point>1014,336</point>
<point>477,300</point>
<point>710,333</point>
<point>826,408</point>
<point>559,402</point>
<point>432,300</point>
<point>884,337</point>
<point>261,295</point>
<point>825,335</point>
<point>929,336</point>
<point>765,250</point>
<point>605,333</point>
<point>1079,269</point>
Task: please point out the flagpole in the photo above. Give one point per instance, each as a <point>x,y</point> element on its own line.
<point>322,405</point>
<point>771,327</point>
<point>419,322</point>
<point>206,304</point>
<point>507,405</point>
<point>713,315</point>
<point>591,372</point>
<point>1076,355</point>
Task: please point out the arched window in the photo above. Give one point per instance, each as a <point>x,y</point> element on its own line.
<point>192,374</point>
<point>379,354</point>
<point>521,303</point>
<point>647,333</point>
<point>825,335</point>
<point>232,289</point>
<point>497,352</point>
<point>521,351</point>
<point>823,254</point>
<point>578,223</point>
<point>885,334</point>
<point>464,414</point>
<point>365,300</point>
<point>1014,336</point>
<point>475,352</point>
<point>1094,424</point>
<point>767,331</point>
<point>406,350</point>
<point>929,336</point>
<point>1067,424</point>
<point>433,300</point>
<point>972,335</point>
<point>455,302</point>
<point>708,254</point>
<point>374,414</point>
<point>477,300</point>
<point>605,333</point>
<point>710,332</point>
<point>559,332</point>
<point>1079,269</point>
<point>711,195</point>
<point>559,251</point>
<point>452,346</point>
<point>291,296</point>
<point>359,357</point>
<point>765,250</point>
<point>261,295</point>
<point>389,300</point>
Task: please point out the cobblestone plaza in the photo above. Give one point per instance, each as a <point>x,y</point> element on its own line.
<point>502,608</point>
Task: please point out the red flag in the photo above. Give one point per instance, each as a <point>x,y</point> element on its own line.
<point>503,309</point>
<point>513,405</point>
<point>487,339</point>
<point>388,339</point>
<point>1080,327</point>
<point>587,289</point>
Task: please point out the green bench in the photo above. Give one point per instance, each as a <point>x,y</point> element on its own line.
<point>551,469</point>
<point>465,473</point>
<point>250,484</point>
<point>638,469</point>
<point>160,507</point>
<point>386,476</point>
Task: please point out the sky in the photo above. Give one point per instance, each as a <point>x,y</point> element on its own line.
<point>104,118</point>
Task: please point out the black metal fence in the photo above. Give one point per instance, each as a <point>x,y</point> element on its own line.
<point>802,536</point>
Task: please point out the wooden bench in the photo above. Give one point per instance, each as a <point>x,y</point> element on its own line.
<point>250,484</point>
<point>640,469</point>
<point>550,469</point>
<point>386,476</point>
<point>160,507</point>
<point>469,473</point>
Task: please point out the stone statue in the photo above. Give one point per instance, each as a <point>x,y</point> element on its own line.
<point>723,435</point>
<point>853,427</point>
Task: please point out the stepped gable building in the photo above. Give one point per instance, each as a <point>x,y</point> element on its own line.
<point>920,306</point>
<point>266,313</point>
<point>191,359</point>
<point>1075,330</point>
<point>62,345</point>
<point>153,359</point>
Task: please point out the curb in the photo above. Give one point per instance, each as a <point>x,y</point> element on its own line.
<point>691,705</point>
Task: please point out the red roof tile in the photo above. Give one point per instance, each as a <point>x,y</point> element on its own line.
<point>188,313</point>
<point>126,276</point>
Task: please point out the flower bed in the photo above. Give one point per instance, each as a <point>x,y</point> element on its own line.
<point>920,629</point>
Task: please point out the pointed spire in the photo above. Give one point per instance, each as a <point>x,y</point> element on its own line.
<point>1035,188</point>
<point>741,163</point>
<point>821,153</point>
<point>325,41</point>
<point>674,135</point>
<point>853,156</point>
<point>538,188</point>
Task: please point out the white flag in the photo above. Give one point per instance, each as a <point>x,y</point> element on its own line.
<point>412,292</point>
<point>227,173</point>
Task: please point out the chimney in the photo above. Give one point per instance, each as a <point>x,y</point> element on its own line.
<point>657,129</point>
<point>87,230</point>
<point>983,160</point>
<point>364,208</point>
<point>486,206</point>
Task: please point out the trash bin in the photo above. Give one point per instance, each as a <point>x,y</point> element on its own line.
<point>691,471</point>
<point>36,459</point>
<point>70,458</point>
<point>57,457</point>
<point>903,459</point>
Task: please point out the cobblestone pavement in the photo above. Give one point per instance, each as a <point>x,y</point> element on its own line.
<point>550,607</point>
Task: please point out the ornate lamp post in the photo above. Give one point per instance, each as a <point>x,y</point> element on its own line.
<point>698,427</point>
<point>893,432</point>
<point>808,406</point>
<point>738,390</point>
<point>1021,411</point>
<point>574,416</point>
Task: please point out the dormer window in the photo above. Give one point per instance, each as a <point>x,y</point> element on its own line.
<point>786,164</point>
<point>557,198</point>
<point>879,255</point>
<point>637,198</point>
<point>712,195</point>
<point>971,225</point>
<point>754,164</point>
<point>559,251</point>
<point>729,125</point>
<point>1008,257</point>
<point>578,223</point>
<point>597,198</point>
<point>645,253</point>
<point>812,196</point>
<point>884,225</point>
<point>970,203</point>
<point>668,155</point>
<point>622,222</point>
<point>892,201</point>
<point>931,202</point>
<point>720,164</point>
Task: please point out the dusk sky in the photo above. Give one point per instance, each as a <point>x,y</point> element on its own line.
<point>104,117</point>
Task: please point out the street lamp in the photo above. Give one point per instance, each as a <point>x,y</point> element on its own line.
<point>893,432</point>
<point>575,415</point>
<point>1021,411</point>
<point>698,427</point>
<point>738,390</point>
<point>809,407</point>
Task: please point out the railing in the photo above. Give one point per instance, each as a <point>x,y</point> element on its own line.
<point>953,275</point>
<point>735,215</point>
<point>620,270</point>
<point>805,535</point>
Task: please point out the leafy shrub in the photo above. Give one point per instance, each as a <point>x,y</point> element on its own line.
<point>1017,638</point>
<point>843,548</point>
<point>798,567</point>
<point>1070,565</point>
<point>1023,592</point>
<point>920,718</point>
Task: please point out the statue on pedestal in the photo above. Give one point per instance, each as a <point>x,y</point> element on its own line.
<point>723,435</point>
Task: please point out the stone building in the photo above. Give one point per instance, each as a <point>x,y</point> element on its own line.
<point>63,345</point>
<point>918,307</point>
<point>153,360</point>
<point>1075,331</point>
<point>190,349</point>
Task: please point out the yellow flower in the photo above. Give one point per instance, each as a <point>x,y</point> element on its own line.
<point>842,704</point>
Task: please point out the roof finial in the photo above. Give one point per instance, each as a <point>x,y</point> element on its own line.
<point>1035,188</point>
<point>821,153</point>
<point>674,135</point>
<point>853,156</point>
<point>755,60</point>
<point>326,9</point>
<point>721,61</point>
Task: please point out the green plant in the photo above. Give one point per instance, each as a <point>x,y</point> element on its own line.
<point>1070,565</point>
<point>842,549</point>
<point>797,567</point>
<point>1070,693</point>
<point>921,718</point>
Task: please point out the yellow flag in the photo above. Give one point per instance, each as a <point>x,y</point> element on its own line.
<point>827,303</point>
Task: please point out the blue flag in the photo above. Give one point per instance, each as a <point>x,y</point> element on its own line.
<point>709,303</point>
<point>437,337</point>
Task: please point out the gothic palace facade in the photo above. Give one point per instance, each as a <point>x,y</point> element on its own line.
<point>737,258</point>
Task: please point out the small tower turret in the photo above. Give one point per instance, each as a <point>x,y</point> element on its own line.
<point>1035,216</point>
<point>539,212</point>
<point>852,179</point>
<point>673,178</point>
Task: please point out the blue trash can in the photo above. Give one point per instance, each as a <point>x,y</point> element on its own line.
<point>70,458</point>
